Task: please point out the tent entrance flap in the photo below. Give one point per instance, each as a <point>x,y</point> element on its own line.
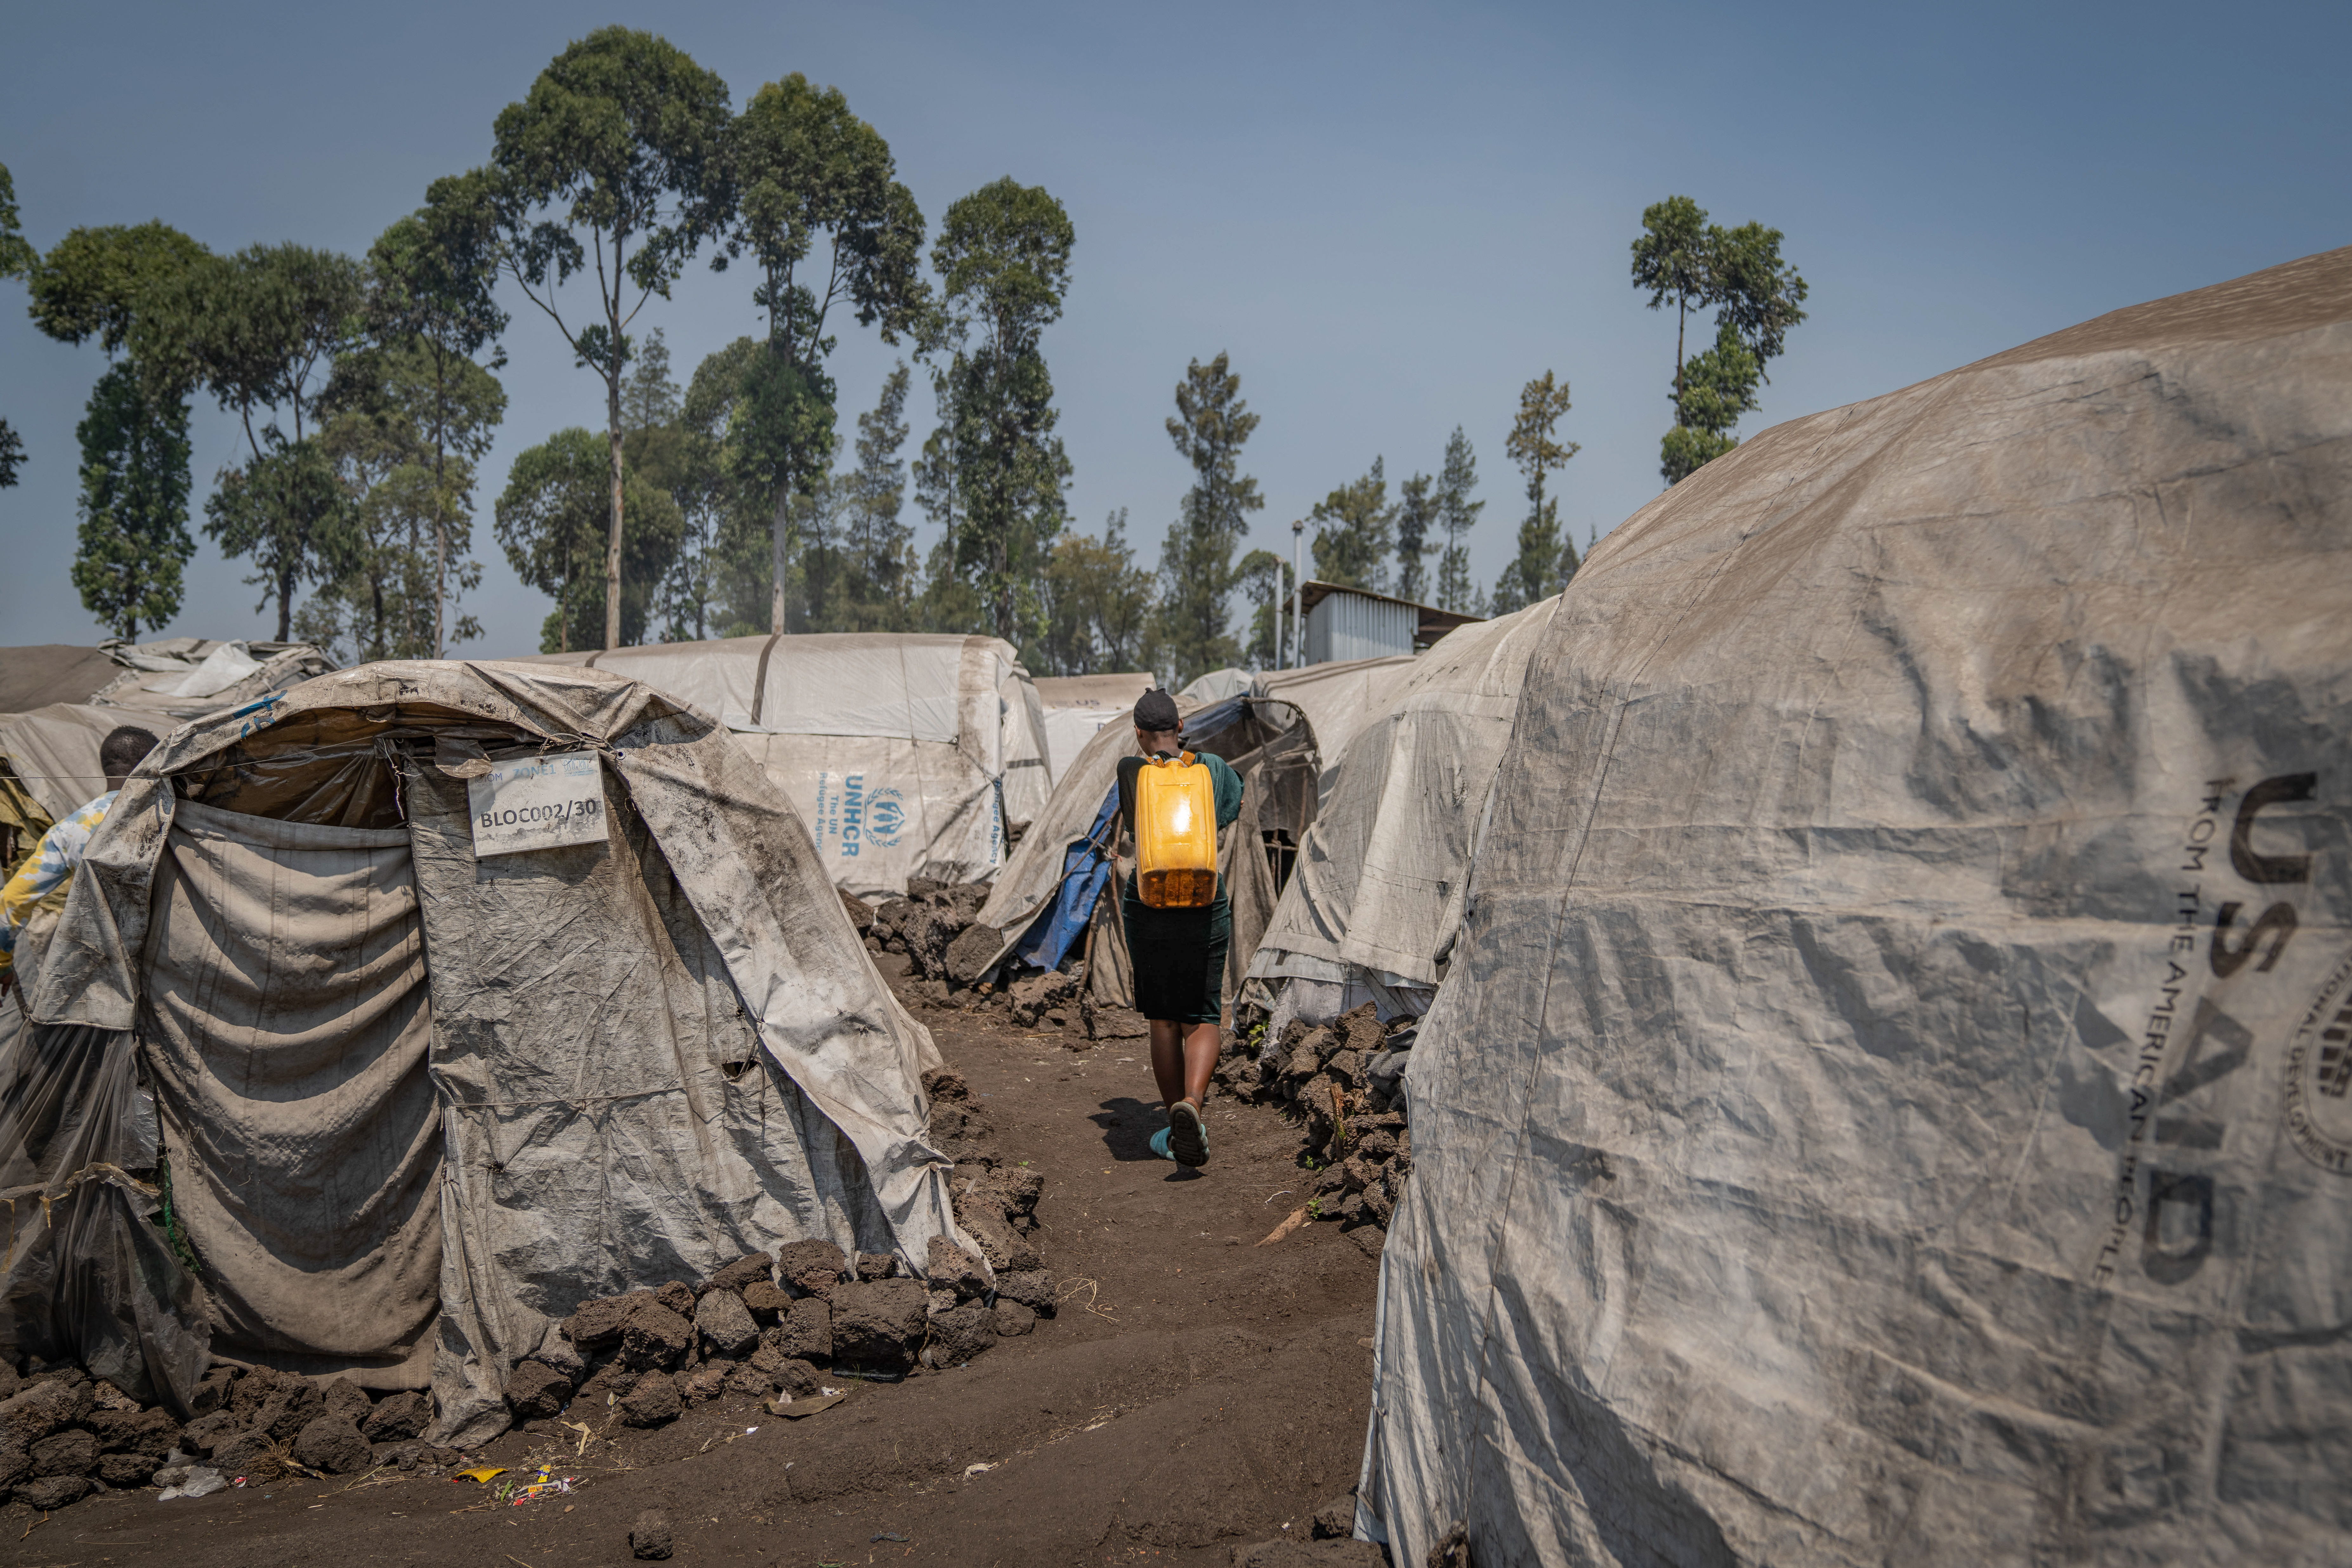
<point>287,1029</point>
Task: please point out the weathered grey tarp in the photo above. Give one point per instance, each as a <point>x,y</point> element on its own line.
<point>286,1034</point>
<point>1338,698</point>
<point>177,678</point>
<point>1889,1102</point>
<point>53,752</point>
<point>646,1056</point>
<point>1379,879</point>
<point>906,754</point>
<point>1215,685</point>
<point>1075,706</point>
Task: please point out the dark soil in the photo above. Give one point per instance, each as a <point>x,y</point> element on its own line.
<point>1195,1392</point>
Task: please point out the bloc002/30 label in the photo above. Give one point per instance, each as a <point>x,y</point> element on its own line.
<point>538,803</point>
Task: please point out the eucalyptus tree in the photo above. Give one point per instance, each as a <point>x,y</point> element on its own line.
<point>1760,295</point>
<point>994,470</point>
<point>430,281</point>
<point>1209,427</point>
<point>1416,516</point>
<point>405,428</point>
<point>880,569</point>
<point>822,217</point>
<point>262,330</point>
<point>1354,529</point>
<point>1546,560</point>
<point>132,543</point>
<point>1456,515</point>
<point>550,519</point>
<point>622,144</point>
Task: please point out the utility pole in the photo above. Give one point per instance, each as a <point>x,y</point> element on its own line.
<point>1297,595</point>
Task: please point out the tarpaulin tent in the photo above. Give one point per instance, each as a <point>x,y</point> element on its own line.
<point>1338,698</point>
<point>179,677</point>
<point>418,1098</point>
<point>1216,685</point>
<point>1075,706</point>
<point>1889,1102</point>
<point>58,702</point>
<point>1062,874</point>
<point>906,755</point>
<point>1372,909</point>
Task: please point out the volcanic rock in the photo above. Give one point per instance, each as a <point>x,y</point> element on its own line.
<point>650,1538</point>
<point>596,1325</point>
<point>1032,1288</point>
<point>955,1268</point>
<point>654,1400</point>
<point>398,1416</point>
<point>332,1444</point>
<point>536,1389</point>
<point>766,1301</point>
<point>655,1336</point>
<point>878,1323</point>
<point>812,1267</point>
<point>725,1324</point>
<point>960,1333</point>
<point>740,1273</point>
<point>52,1492</point>
<point>66,1454</point>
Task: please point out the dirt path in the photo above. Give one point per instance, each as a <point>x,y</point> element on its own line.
<point>1196,1392</point>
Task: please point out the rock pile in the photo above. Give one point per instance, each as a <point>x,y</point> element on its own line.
<point>767,1325</point>
<point>933,926</point>
<point>1344,1080</point>
<point>64,1437</point>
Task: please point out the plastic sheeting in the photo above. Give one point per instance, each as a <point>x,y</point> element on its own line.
<point>1380,877</point>
<point>1889,1103</point>
<point>53,752</point>
<point>85,1275</point>
<point>651,1055</point>
<point>906,755</point>
<point>1338,700</point>
<point>1075,706</point>
<point>287,1035</point>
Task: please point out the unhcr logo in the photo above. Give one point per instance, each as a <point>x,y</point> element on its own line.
<point>886,818</point>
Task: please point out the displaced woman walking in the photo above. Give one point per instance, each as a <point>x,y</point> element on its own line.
<point>1175,938</point>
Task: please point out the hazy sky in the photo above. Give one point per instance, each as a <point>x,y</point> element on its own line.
<point>1390,216</point>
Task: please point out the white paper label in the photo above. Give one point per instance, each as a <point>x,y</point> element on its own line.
<point>538,803</point>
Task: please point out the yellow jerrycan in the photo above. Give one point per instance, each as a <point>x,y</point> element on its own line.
<point>1175,834</point>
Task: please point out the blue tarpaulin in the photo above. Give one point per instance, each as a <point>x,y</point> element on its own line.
<point>1086,868</point>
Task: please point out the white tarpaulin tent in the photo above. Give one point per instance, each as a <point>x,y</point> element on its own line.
<point>1376,894</point>
<point>1889,1103</point>
<point>1075,706</point>
<point>906,755</point>
<point>1338,700</point>
<point>417,1101</point>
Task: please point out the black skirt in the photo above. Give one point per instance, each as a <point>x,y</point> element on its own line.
<point>1178,958</point>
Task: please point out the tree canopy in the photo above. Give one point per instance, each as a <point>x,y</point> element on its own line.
<point>992,472</point>
<point>1680,255</point>
<point>622,141</point>
<point>1209,427</point>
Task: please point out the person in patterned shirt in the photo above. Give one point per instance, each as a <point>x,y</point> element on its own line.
<point>41,882</point>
